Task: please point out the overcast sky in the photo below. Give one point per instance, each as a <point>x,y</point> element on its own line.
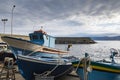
<point>62,17</point>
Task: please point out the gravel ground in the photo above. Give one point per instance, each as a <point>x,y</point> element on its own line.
<point>67,77</point>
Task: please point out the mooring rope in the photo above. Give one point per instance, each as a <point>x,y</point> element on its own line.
<point>86,61</point>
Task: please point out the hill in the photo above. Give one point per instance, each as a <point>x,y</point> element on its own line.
<point>106,38</point>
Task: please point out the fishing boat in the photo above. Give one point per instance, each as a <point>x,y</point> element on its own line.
<point>97,70</point>
<point>38,55</point>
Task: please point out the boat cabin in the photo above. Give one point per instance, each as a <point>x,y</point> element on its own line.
<point>42,38</point>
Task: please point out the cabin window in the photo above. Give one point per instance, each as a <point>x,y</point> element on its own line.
<point>35,37</point>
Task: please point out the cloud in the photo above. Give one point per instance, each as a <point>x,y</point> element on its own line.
<point>57,16</point>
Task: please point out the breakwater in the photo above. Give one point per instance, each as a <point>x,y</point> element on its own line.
<point>59,40</point>
<point>74,40</point>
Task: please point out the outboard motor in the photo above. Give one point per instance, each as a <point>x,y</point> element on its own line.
<point>113,54</point>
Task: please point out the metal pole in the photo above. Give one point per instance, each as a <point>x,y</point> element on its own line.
<point>4,27</point>
<point>86,66</point>
<point>12,19</point>
<point>4,21</point>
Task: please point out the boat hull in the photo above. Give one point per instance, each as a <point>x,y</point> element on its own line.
<point>29,66</point>
<point>100,71</point>
<point>17,45</point>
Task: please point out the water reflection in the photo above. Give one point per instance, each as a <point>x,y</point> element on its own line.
<point>100,50</point>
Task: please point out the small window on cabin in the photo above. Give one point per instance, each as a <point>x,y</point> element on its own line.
<point>35,37</point>
<point>41,36</point>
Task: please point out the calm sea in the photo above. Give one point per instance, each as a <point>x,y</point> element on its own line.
<point>99,50</point>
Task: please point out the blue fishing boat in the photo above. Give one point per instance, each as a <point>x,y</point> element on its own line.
<point>38,55</point>
<point>101,70</point>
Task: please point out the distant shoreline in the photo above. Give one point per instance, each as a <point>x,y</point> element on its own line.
<point>74,40</point>
<point>106,38</point>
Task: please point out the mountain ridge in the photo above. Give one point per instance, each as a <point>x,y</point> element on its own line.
<point>106,38</point>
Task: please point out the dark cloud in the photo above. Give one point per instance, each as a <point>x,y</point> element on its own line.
<point>71,23</point>
<point>41,11</point>
<point>104,7</point>
<point>52,9</point>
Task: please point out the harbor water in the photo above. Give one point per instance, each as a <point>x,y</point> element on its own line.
<point>99,50</point>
